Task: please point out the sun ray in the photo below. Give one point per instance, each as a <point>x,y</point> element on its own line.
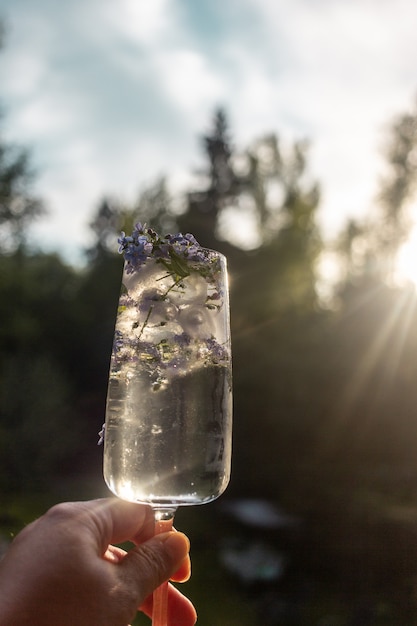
<point>387,344</point>
<point>406,265</point>
<point>371,356</point>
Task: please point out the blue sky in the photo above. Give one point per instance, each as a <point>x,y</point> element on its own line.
<point>110,95</point>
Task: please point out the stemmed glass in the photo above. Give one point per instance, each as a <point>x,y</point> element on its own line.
<point>169,405</point>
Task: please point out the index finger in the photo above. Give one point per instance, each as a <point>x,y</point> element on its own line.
<point>183,573</point>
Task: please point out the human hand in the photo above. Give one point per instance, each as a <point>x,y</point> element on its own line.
<point>63,569</point>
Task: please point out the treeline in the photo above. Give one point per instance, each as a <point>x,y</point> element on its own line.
<point>325,391</point>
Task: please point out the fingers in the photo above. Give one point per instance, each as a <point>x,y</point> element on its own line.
<point>181,611</point>
<point>114,554</point>
<point>155,561</point>
<point>183,573</point>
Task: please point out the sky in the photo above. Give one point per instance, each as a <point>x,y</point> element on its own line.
<point>110,95</point>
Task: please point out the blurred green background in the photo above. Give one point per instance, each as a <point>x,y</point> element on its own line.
<point>319,524</point>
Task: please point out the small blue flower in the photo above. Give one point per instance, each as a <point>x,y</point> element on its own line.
<point>179,253</point>
<point>218,353</point>
<point>186,246</point>
<point>182,340</point>
<point>118,341</point>
<point>181,256</point>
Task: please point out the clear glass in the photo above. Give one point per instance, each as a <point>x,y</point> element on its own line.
<point>168,431</point>
<point>169,404</point>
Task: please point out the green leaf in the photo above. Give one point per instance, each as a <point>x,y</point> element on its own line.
<point>179,265</point>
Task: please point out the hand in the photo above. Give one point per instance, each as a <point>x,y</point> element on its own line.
<point>62,570</point>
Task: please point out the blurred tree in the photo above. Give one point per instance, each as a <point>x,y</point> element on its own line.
<point>369,247</point>
<point>399,185</point>
<point>366,429</point>
<point>39,427</point>
<point>36,341</point>
<point>324,399</point>
<point>285,263</point>
<point>19,207</point>
<point>104,226</point>
<point>265,192</point>
<point>155,208</point>
<point>220,186</point>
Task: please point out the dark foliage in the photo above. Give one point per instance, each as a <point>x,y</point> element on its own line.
<point>325,399</point>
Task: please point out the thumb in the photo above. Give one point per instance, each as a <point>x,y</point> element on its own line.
<point>150,564</point>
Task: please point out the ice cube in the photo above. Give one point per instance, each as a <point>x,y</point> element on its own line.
<point>197,321</point>
<point>192,289</point>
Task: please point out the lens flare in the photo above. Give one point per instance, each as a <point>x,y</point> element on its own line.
<point>406,265</point>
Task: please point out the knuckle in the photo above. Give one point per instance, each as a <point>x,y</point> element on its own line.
<point>151,567</point>
<point>60,511</point>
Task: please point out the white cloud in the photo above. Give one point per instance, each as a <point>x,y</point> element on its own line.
<point>147,23</point>
<point>349,68</point>
<point>111,97</point>
<point>40,117</point>
<point>22,73</point>
<point>188,80</point>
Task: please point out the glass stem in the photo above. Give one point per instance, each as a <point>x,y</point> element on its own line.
<point>164,519</point>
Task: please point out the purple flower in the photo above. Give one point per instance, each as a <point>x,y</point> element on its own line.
<point>186,246</point>
<point>118,341</point>
<point>180,254</point>
<point>217,351</point>
<point>136,248</point>
<point>182,340</point>
<point>145,242</point>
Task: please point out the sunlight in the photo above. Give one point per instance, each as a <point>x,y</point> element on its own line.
<point>406,265</point>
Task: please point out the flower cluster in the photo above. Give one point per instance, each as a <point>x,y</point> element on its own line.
<point>168,357</point>
<point>168,313</point>
<point>179,253</point>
